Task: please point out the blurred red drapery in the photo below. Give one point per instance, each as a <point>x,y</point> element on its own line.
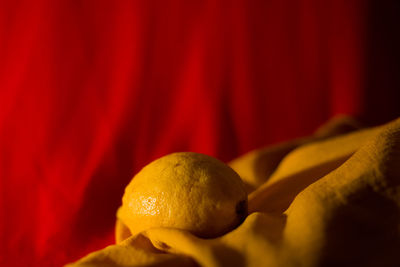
<point>90,91</point>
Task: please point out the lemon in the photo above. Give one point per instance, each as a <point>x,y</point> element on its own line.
<point>185,190</point>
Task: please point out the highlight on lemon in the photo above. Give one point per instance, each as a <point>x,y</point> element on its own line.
<point>185,190</point>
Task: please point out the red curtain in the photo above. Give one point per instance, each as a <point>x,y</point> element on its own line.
<point>91,91</point>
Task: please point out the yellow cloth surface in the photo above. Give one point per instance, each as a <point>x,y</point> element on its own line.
<point>332,199</point>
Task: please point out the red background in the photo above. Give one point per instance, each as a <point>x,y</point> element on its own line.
<point>90,91</point>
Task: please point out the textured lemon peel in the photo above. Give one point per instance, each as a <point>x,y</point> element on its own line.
<point>325,225</point>
<point>188,191</point>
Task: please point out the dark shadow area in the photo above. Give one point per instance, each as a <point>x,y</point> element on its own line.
<point>225,256</point>
<point>382,94</point>
<point>363,232</point>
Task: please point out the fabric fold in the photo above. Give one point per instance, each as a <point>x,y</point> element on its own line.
<point>331,202</point>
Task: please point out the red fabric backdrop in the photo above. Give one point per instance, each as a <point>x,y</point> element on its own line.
<point>90,91</point>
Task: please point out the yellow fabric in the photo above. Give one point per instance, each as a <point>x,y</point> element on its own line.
<point>331,201</point>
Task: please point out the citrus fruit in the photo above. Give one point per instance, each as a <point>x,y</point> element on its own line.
<point>185,190</point>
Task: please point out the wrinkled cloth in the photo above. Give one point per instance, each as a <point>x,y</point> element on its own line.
<point>332,200</point>
<point>91,91</point>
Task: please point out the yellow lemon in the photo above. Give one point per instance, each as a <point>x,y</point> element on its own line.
<point>185,190</point>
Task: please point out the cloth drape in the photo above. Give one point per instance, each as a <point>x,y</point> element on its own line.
<point>91,91</point>
<point>333,200</point>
